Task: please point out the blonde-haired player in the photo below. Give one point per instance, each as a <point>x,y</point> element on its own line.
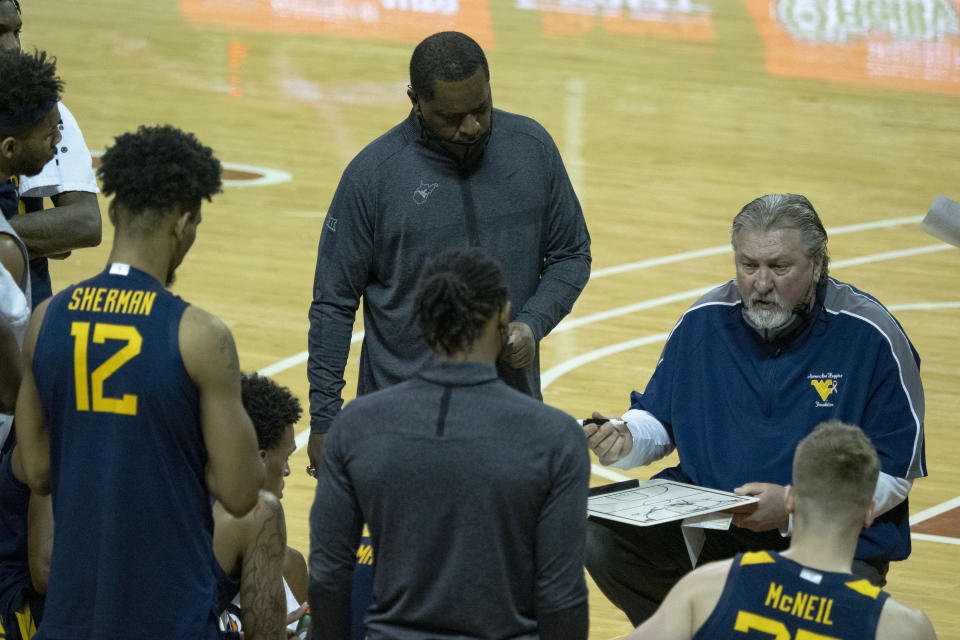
<point>807,592</point>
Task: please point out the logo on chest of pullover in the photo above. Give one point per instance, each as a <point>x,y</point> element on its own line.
<point>826,385</point>
<point>421,193</point>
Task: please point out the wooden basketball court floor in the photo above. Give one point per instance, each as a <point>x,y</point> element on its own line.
<point>670,114</point>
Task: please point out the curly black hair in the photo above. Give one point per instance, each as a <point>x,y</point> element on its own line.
<point>457,293</point>
<point>158,169</point>
<point>449,56</point>
<point>31,88</point>
<point>272,408</point>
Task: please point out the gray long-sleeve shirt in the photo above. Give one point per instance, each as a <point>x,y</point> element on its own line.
<point>400,202</point>
<point>475,496</point>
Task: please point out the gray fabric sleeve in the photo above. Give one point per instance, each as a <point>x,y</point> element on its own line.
<point>562,528</point>
<point>344,256</point>
<point>566,265</point>
<point>336,523</point>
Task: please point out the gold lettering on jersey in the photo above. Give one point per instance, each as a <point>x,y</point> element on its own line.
<point>123,300</point>
<point>98,300</point>
<point>111,304</point>
<point>74,303</point>
<point>87,301</point>
<point>801,605</point>
<point>109,300</point>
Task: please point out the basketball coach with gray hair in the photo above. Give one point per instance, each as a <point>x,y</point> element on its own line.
<point>746,373</point>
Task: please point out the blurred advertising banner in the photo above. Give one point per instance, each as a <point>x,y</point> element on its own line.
<point>666,19</point>
<point>900,44</point>
<point>391,20</point>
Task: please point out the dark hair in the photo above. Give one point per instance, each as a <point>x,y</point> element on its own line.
<point>272,408</point>
<point>457,293</point>
<point>785,210</point>
<point>31,88</point>
<point>449,56</point>
<point>157,169</point>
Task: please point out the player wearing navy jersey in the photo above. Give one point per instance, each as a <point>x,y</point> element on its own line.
<point>130,413</point>
<point>808,591</point>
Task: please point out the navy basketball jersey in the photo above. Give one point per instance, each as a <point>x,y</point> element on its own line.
<point>770,597</point>
<point>132,555</point>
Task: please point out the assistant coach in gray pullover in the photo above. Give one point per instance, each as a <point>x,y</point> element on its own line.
<point>456,173</point>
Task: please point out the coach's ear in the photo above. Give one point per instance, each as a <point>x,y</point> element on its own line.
<point>790,499</point>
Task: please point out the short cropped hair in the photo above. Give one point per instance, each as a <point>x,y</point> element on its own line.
<point>781,211</point>
<point>271,408</point>
<point>158,169</point>
<point>448,56</point>
<point>458,292</point>
<point>31,88</point>
<point>835,469</point>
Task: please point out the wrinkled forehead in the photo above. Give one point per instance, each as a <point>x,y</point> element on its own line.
<point>769,244</point>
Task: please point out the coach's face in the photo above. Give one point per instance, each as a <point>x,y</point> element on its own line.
<point>29,153</point>
<point>459,112</point>
<point>774,275</point>
<point>10,26</point>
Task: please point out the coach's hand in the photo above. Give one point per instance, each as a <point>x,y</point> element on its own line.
<point>609,441</point>
<point>767,514</point>
<point>315,452</point>
<point>521,347</point>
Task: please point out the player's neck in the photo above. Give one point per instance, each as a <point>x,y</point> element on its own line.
<point>141,254</point>
<point>823,548</point>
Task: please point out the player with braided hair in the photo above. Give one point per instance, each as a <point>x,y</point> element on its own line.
<point>474,493</point>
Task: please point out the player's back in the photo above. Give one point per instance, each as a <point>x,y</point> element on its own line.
<point>767,595</point>
<point>132,548</point>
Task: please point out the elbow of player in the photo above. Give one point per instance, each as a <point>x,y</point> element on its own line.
<point>239,502</point>
<point>38,479</point>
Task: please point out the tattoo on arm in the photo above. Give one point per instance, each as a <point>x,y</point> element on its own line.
<point>263,603</point>
<point>228,348</point>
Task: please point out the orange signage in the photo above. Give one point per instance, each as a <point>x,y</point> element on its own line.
<point>392,20</point>
<point>901,44</point>
<point>665,19</point>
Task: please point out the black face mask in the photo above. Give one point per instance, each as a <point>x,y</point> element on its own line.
<point>467,155</point>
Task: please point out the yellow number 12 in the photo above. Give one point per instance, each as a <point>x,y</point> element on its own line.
<point>127,405</point>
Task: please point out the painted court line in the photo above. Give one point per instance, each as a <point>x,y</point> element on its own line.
<point>926,514</point>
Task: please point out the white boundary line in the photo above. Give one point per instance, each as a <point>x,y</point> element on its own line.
<point>929,538</point>
<point>926,514</point>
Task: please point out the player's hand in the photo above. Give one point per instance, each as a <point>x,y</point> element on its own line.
<point>521,347</point>
<point>769,513</point>
<point>315,452</point>
<point>609,441</point>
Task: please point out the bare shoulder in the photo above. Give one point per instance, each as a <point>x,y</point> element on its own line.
<point>267,515</point>
<point>11,257</point>
<point>900,622</point>
<point>704,587</point>
<point>206,344</point>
